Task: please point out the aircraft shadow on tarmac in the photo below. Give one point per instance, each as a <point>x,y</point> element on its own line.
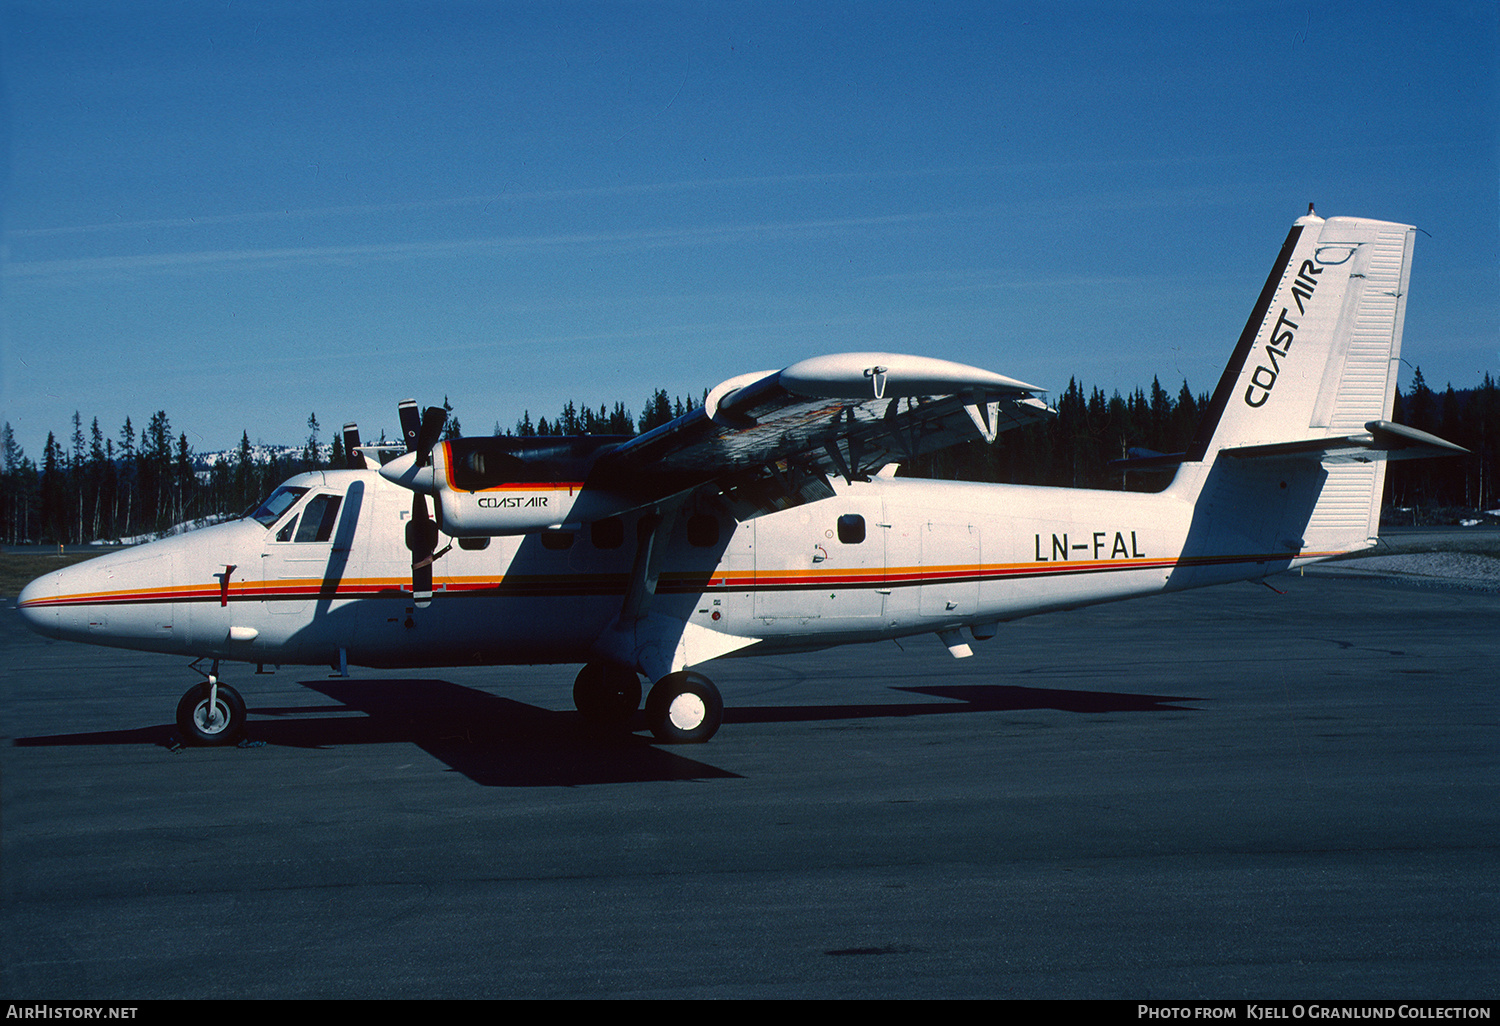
<point>499,742</point>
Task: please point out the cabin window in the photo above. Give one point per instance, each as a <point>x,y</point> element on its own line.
<point>557,541</point>
<point>851,528</point>
<point>285,534</point>
<point>318,518</point>
<point>474,544</point>
<point>703,530</point>
<point>608,533</point>
<point>281,500</point>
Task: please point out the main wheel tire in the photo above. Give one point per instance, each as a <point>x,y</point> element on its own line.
<point>220,725</point>
<point>607,693</point>
<point>684,708</point>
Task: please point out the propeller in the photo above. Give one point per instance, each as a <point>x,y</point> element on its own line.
<point>421,431</point>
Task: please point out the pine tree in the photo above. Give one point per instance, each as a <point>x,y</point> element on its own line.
<point>451,427</point>
<point>128,483</point>
<point>658,411</point>
<point>54,491</point>
<point>310,458</point>
<point>246,490</point>
<point>96,475</point>
<point>17,488</point>
<point>184,482</point>
<point>75,473</point>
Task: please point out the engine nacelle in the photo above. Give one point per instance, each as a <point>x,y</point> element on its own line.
<point>522,508</point>
<point>499,486</point>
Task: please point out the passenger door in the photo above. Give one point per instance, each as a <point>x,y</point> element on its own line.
<point>296,560</point>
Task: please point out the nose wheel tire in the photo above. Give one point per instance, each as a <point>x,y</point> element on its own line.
<point>218,723</point>
<point>684,708</point>
<point>607,693</point>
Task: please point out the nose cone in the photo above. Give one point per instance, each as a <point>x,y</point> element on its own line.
<point>37,604</point>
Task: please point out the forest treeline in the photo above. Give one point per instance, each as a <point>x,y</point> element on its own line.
<point>1075,448</point>
<point>131,482</point>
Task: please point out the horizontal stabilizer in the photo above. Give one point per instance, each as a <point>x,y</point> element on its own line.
<point>1382,440</point>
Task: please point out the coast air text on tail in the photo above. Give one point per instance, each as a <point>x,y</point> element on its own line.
<point>770,519</point>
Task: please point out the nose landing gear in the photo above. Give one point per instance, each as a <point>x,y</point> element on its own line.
<point>211,713</point>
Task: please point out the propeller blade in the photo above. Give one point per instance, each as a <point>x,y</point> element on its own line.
<point>421,585</point>
<point>427,436</point>
<point>421,430</point>
<point>353,458</point>
<point>421,538</point>
<point>411,422</point>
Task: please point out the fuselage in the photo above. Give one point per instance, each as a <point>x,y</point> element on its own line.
<point>324,577</point>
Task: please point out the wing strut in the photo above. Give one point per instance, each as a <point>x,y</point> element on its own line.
<point>652,533</point>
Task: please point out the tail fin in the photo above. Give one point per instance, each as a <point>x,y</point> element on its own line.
<point>1319,354</point>
<point>1280,470</point>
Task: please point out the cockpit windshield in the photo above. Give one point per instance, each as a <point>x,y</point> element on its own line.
<point>281,500</point>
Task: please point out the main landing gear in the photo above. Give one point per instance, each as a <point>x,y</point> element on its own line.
<point>607,694</point>
<point>682,708</point>
<point>211,713</point>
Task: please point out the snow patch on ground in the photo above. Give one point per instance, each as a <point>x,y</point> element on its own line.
<point>1453,566</point>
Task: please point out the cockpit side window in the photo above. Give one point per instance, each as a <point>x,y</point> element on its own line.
<point>281,500</point>
<point>319,518</point>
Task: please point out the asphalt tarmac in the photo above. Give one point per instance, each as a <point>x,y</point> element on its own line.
<point>1223,794</point>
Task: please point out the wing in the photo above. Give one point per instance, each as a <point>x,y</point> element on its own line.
<point>772,439</point>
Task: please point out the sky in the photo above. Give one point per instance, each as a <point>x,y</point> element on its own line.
<point>243,213</point>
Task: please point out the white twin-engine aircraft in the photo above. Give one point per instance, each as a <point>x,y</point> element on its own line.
<point>770,519</point>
